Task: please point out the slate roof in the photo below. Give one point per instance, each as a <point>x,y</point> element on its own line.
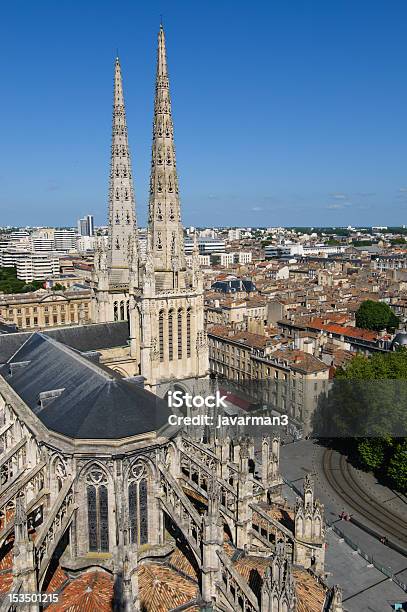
<point>80,337</point>
<point>94,403</point>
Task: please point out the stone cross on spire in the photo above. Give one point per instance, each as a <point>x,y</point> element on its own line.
<point>122,218</point>
<point>164,207</point>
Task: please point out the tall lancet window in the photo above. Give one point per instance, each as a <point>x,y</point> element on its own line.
<point>98,509</point>
<point>138,504</point>
<point>180,312</point>
<point>161,333</point>
<point>171,335</point>
<point>188,332</point>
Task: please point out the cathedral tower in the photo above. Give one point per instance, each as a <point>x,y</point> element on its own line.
<point>167,237</point>
<point>167,334</point>
<point>112,265</point>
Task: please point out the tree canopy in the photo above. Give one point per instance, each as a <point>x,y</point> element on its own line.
<point>376,316</point>
<point>365,414</point>
<point>9,283</point>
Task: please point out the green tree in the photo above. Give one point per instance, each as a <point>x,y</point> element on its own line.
<point>372,452</point>
<point>9,283</point>
<point>397,468</point>
<point>362,243</point>
<point>376,316</point>
<point>365,413</point>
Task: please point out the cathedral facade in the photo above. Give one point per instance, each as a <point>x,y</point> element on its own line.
<point>103,505</point>
<point>160,297</point>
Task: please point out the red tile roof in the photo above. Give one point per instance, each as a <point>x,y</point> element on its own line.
<point>162,589</point>
<point>179,561</point>
<point>91,592</point>
<point>351,332</point>
<point>58,579</point>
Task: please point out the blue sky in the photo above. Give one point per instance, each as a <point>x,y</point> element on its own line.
<point>286,113</point>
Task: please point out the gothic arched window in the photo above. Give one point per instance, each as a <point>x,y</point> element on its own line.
<point>115,311</point>
<point>161,334</point>
<point>171,335</point>
<point>98,509</point>
<point>189,332</point>
<point>138,504</point>
<point>180,333</point>
<point>122,311</point>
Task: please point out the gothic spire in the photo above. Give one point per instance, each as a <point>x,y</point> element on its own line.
<point>122,218</point>
<point>164,207</point>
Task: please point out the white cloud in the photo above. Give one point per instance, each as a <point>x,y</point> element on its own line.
<point>338,196</point>
<point>338,205</point>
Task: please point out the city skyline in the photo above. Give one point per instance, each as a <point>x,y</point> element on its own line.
<point>204,418</point>
<point>251,136</point>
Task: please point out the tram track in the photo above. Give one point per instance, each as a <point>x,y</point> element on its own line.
<point>342,481</point>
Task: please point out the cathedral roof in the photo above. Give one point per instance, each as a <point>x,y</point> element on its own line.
<point>163,589</point>
<point>92,591</point>
<point>77,398</point>
<point>97,336</point>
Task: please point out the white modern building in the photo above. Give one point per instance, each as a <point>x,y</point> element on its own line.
<point>234,234</point>
<point>65,240</point>
<point>86,244</point>
<point>222,259</point>
<point>289,251</point>
<point>36,266</point>
<point>204,261</point>
<point>86,226</point>
<point>242,257</point>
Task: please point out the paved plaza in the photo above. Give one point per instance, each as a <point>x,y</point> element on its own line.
<point>364,587</point>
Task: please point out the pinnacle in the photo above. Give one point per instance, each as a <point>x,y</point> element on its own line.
<point>162,56</point>
<point>121,199</point>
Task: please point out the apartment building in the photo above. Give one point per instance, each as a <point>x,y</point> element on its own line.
<point>36,266</point>
<point>288,380</point>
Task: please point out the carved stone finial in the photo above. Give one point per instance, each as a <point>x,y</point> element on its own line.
<point>20,514</point>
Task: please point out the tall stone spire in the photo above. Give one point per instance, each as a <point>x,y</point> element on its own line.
<point>122,219</point>
<point>167,240</point>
